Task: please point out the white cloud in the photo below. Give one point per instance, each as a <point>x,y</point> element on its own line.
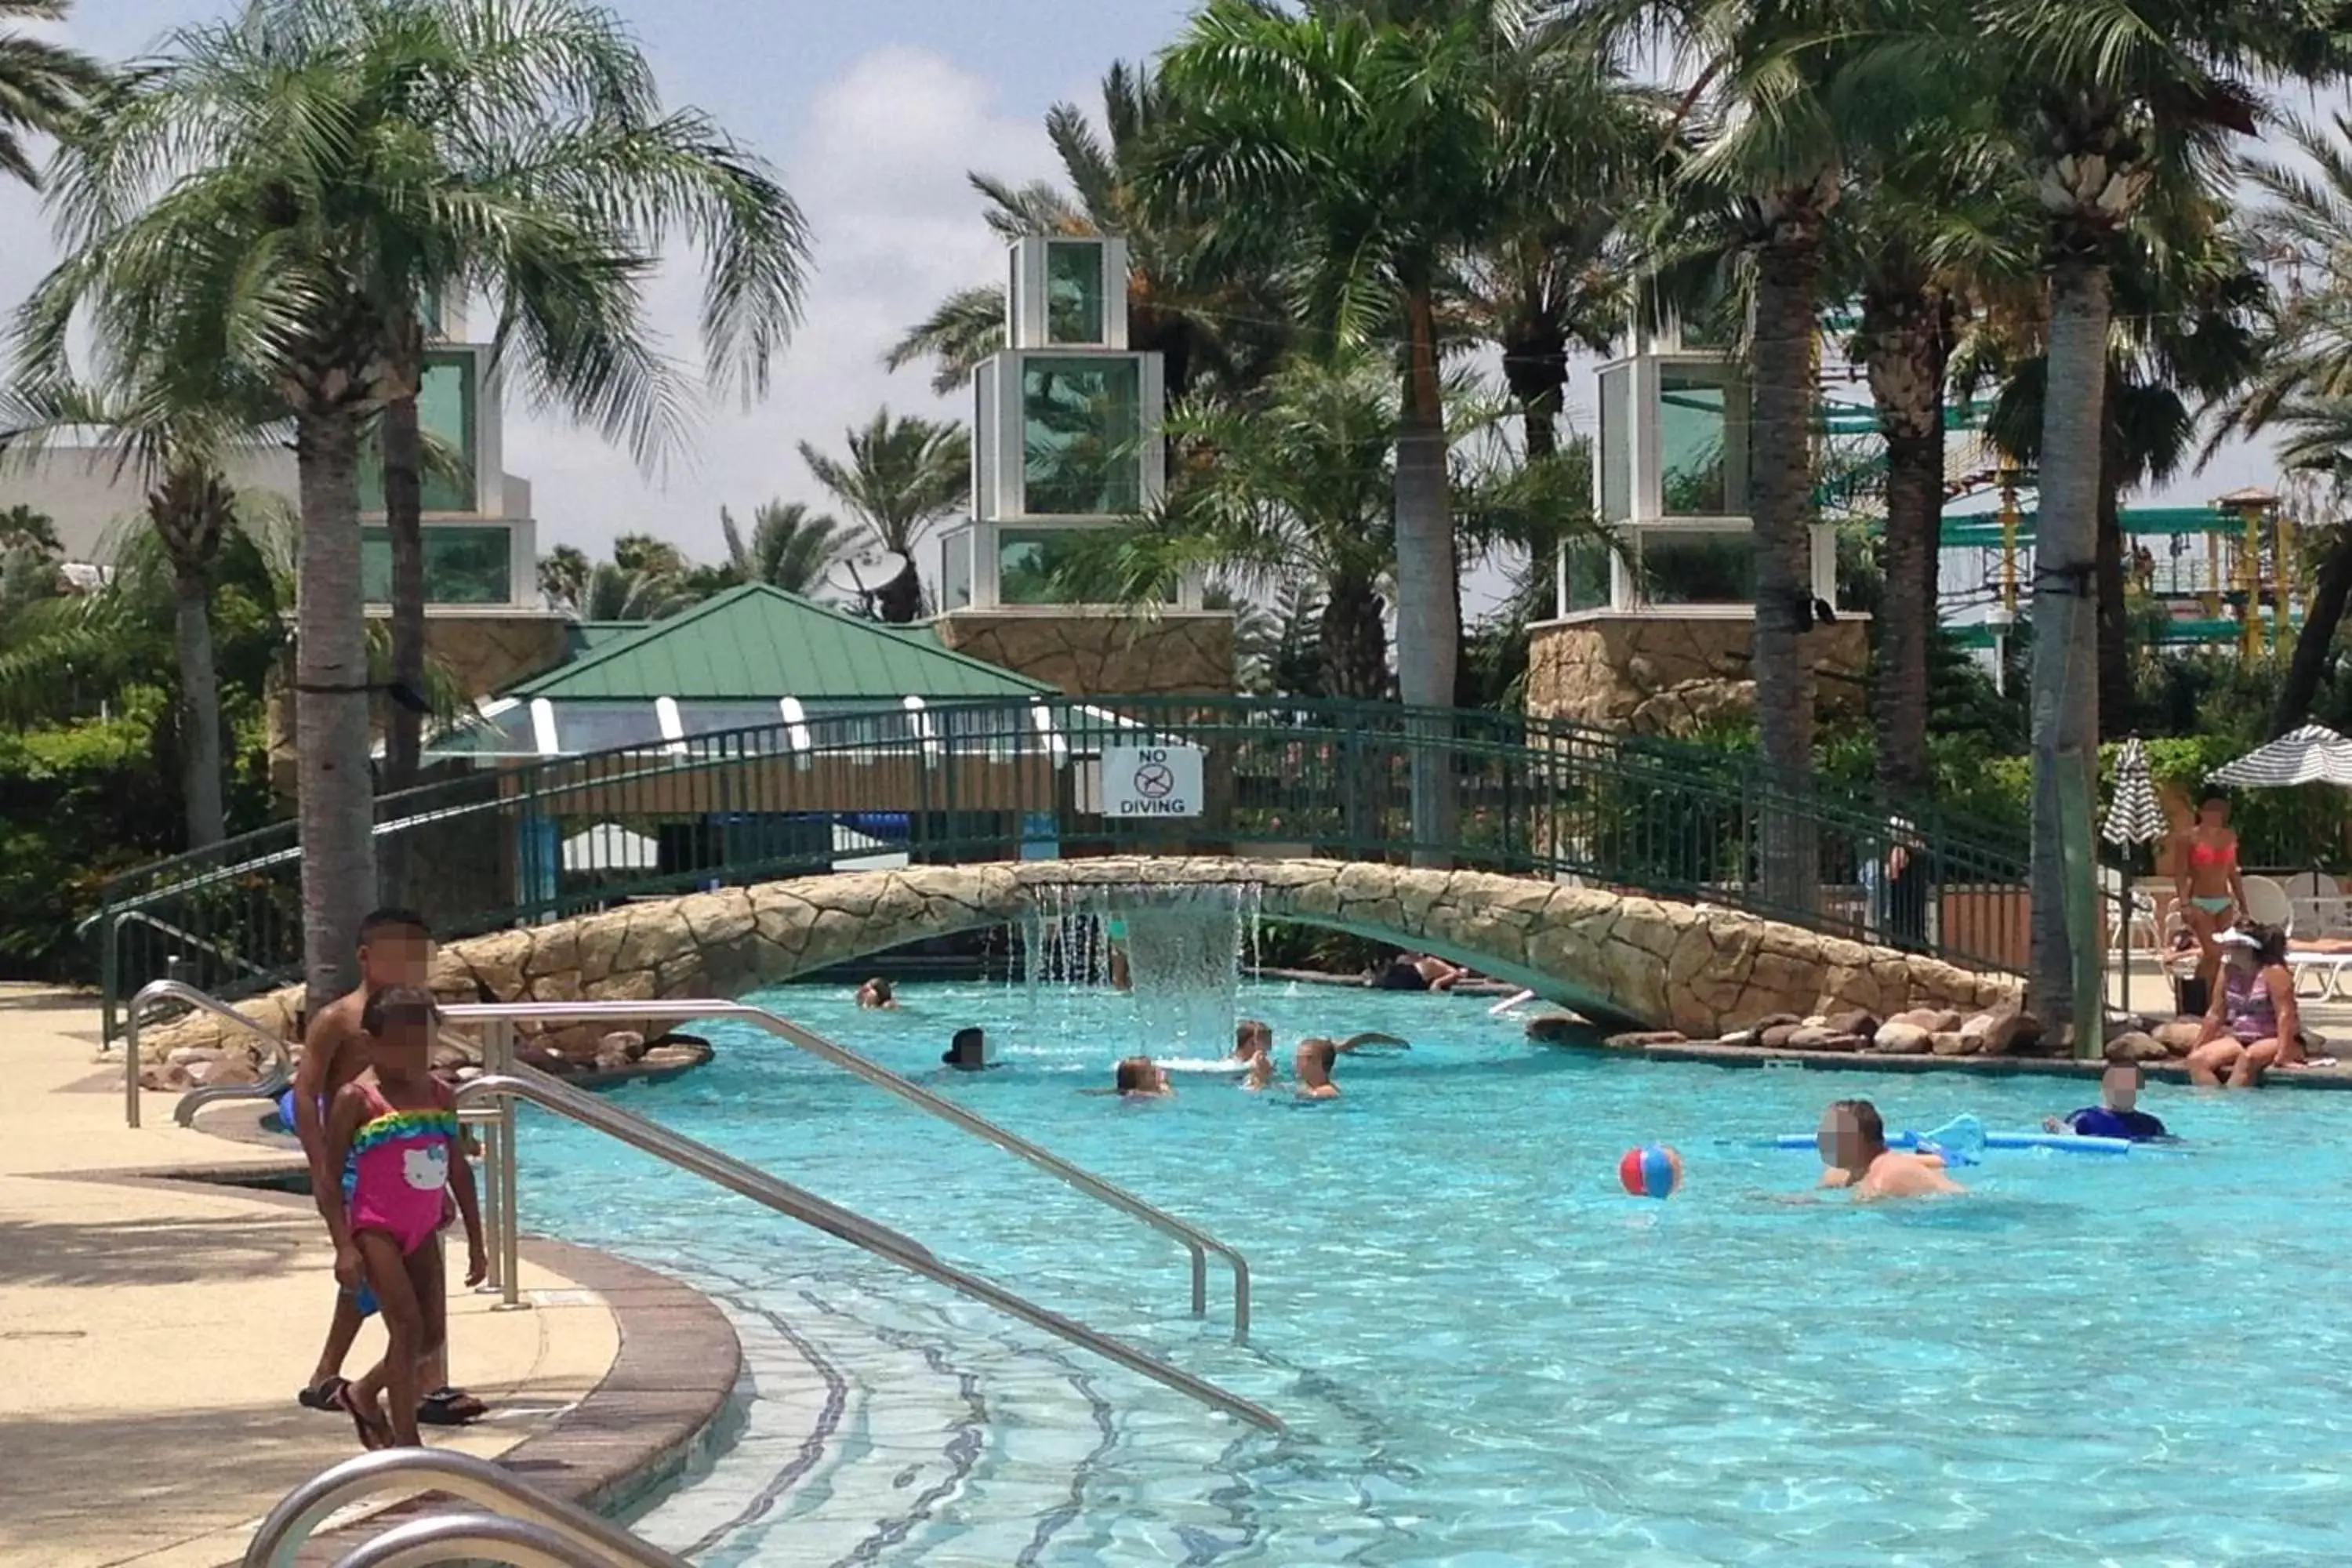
<point>878,167</point>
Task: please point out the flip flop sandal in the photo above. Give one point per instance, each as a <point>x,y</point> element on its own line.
<point>449,1408</point>
<point>373,1433</point>
<point>321,1395</point>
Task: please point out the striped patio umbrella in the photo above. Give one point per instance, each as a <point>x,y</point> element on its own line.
<point>2313,754</point>
<point>2133,816</point>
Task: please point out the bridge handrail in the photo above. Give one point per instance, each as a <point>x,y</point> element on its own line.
<point>266,846</point>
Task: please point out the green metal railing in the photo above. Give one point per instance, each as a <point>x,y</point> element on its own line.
<point>1022,779</point>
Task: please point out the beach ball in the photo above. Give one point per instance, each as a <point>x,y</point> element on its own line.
<point>1652,1170</point>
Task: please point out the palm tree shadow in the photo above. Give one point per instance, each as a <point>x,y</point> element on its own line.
<point>152,1252</point>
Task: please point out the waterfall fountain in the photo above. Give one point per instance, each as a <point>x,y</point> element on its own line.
<point>1186,949</point>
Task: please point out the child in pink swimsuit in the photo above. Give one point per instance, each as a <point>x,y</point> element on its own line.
<point>397,1125</point>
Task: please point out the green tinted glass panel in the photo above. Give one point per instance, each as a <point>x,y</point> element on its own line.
<point>1690,431</point>
<point>1585,570</point>
<point>1026,562</point>
<point>1082,436</point>
<point>462,565</point>
<point>1698,568</point>
<point>1073,292</point>
<point>955,571</point>
<point>448,409</point>
<point>1616,444</point>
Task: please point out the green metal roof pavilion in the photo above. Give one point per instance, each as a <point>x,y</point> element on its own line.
<point>755,643</point>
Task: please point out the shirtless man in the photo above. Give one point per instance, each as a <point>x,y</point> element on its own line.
<point>1853,1141</point>
<point>396,948</point>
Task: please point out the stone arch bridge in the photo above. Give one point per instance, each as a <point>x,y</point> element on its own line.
<point>1610,956</point>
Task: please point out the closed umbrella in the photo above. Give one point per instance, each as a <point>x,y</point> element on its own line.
<point>2134,814</point>
<point>2313,754</point>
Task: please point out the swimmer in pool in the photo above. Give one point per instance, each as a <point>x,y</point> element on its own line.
<point>876,993</point>
<point>1853,1141</point>
<point>1254,1047</point>
<point>1313,1066</point>
<point>967,1051</point>
<point>2118,1114</point>
<point>1140,1078</point>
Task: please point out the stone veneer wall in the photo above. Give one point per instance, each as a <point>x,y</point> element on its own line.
<point>1701,970</point>
<point>1659,675</point>
<point>1179,652</point>
<point>488,653</point>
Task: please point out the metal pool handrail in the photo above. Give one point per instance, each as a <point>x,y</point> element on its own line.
<point>797,1203</point>
<point>281,1071</point>
<point>302,1511</point>
<point>479,1537</point>
<point>271,1085</point>
<point>1196,1241</point>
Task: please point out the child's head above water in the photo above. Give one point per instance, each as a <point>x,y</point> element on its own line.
<point>400,1021</point>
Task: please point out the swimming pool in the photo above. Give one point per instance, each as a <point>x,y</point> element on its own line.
<point>1486,1353</point>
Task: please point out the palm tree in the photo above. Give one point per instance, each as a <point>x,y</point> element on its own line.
<point>1293,487</point>
<point>176,440</point>
<point>790,547</point>
<point>1786,97</point>
<point>1931,229</point>
<point>2304,384</point>
<point>44,87</point>
<point>1363,151</point>
<point>618,592</point>
<point>563,577</point>
<point>1229,322</point>
<point>1577,146</point>
<point>903,475</point>
<point>2109,97</point>
<point>264,195</point>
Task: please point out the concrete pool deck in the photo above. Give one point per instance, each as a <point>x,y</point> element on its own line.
<point>154,1330</point>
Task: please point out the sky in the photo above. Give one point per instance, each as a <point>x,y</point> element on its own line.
<point>873,112</point>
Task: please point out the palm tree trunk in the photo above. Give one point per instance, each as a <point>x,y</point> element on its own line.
<point>336,809</point>
<point>2115,608</point>
<point>1780,499</point>
<point>1352,640</point>
<point>2321,619</point>
<point>404,521</point>
<point>1429,607</point>
<point>1535,367</point>
<point>1905,361</point>
<point>200,722</point>
<point>2063,972</point>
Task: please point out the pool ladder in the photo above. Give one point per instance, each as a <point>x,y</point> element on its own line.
<point>506,1080</point>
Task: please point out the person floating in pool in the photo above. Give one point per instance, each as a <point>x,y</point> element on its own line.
<point>1140,1078</point>
<point>1417,972</point>
<point>1853,1141</point>
<point>2117,1115</point>
<point>1313,1064</point>
<point>967,1051</point>
<point>2253,1024</point>
<point>876,993</point>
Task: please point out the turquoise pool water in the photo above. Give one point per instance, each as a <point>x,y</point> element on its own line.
<point>1489,1355</point>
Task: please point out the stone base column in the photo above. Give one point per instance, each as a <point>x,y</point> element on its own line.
<point>1654,674</point>
<point>1178,652</point>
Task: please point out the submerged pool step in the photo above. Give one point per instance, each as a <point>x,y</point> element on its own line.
<point>885,1427</point>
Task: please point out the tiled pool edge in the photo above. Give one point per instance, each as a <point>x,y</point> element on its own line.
<point>665,1396</point>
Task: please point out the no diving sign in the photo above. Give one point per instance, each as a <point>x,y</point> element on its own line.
<point>1151,781</point>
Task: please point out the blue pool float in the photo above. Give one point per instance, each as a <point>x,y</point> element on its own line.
<point>1962,1138</point>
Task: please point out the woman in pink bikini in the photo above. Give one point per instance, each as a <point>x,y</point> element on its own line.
<point>2206,880</point>
<point>398,1126</point>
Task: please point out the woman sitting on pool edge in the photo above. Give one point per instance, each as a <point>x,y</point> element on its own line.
<point>2253,1024</point>
<point>1853,1141</point>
